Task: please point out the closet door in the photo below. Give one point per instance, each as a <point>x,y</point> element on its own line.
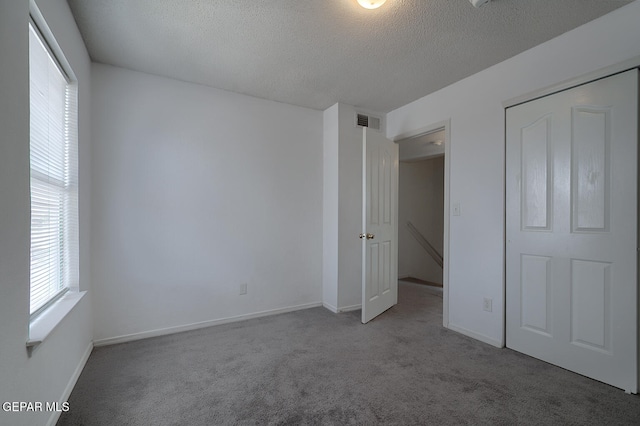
<point>571,229</point>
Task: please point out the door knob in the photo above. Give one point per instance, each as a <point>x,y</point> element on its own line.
<point>367,236</point>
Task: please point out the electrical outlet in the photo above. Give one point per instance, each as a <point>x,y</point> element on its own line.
<point>487,305</point>
<point>243,288</point>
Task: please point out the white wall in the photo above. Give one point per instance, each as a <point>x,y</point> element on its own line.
<point>330,202</point>
<point>420,201</point>
<point>342,204</point>
<point>23,378</point>
<point>195,192</point>
<point>475,108</point>
<point>350,211</point>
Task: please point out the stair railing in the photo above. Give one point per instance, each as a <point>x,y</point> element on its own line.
<point>425,244</point>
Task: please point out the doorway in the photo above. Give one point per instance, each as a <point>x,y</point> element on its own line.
<point>423,225</point>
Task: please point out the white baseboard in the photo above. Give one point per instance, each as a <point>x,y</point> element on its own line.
<point>349,308</point>
<point>342,309</point>
<point>198,325</point>
<point>55,415</point>
<point>330,307</point>
<point>477,336</point>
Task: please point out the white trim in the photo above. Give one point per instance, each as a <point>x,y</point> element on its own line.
<point>55,416</point>
<point>432,128</point>
<point>48,304</point>
<point>445,241</point>
<point>573,82</point>
<point>349,308</point>
<point>330,307</point>
<point>477,336</point>
<point>198,325</point>
<point>446,125</point>
<point>44,324</point>
<point>52,43</point>
<point>342,309</point>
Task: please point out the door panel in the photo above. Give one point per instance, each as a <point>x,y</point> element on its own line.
<point>380,212</point>
<point>571,228</point>
<point>537,184</point>
<point>591,140</point>
<point>591,304</point>
<point>535,290</point>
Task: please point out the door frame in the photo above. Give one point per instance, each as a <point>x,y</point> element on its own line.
<point>580,80</point>
<point>446,126</point>
<point>571,83</point>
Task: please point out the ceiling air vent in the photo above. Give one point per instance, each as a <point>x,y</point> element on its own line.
<point>364,120</point>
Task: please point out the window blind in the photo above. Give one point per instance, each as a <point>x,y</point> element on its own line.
<point>54,177</point>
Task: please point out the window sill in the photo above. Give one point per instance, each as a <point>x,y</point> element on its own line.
<point>42,326</point>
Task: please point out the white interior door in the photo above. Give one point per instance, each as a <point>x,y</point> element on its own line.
<point>571,218</point>
<point>380,224</point>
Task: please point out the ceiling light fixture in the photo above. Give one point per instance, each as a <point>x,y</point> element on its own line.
<point>371,4</point>
<point>478,3</point>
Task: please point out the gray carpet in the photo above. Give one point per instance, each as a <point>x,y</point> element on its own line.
<point>315,367</point>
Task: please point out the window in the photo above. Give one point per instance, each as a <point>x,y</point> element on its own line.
<point>54,176</point>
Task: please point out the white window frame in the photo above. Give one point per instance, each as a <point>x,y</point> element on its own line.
<point>59,274</point>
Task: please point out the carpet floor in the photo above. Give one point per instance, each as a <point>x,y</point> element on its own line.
<point>419,281</point>
<point>313,367</point>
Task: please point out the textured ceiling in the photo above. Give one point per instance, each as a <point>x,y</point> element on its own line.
<point>315,53</point>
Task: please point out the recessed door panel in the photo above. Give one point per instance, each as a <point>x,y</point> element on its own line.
<point>591,304</point>
<point>536,175</point>
<point>374,271</point>
<point>386,267</point>
<point>386,204</point>
<point>535,300</point>
<point>374,171</point>
<point>591,136</point>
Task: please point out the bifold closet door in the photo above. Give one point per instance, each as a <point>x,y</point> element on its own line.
<point>571,229</point>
